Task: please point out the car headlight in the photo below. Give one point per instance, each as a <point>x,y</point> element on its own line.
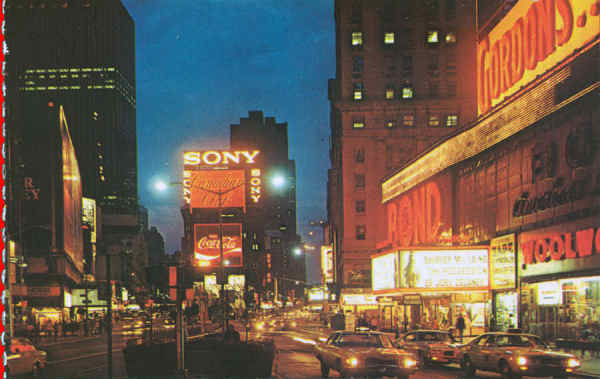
<point>352,362</point>
<point>573,362</point>
<point>408,362</point>
<point>522,361</point>
<point>294,324</point>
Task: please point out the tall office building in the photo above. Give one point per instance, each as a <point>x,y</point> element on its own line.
<point>79,54</point>
<point>405,78</point>
<point>272,227</point>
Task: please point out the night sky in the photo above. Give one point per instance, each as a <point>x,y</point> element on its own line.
<point>203,64</point>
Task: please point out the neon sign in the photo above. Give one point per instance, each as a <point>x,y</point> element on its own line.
<point>255,184</point>
<point>531,39</point>
<point>219,157</point>
<point>556,247</point>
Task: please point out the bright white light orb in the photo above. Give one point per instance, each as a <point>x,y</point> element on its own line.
<point>278,181</point>
<point>160,186</point>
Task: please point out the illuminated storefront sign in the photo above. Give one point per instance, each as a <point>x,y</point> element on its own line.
<point>236,282</point>
<point>422,215</point>
<point>502,262</point>
<point>531,39</point>
<point>316,294</point>
<point>327,263</point>
<point>359,299</point>
<point>384,270</point>
<point>549,247</point>
<point>549,293</point>
<point>207,247</point>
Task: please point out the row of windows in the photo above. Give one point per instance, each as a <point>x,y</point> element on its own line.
<point>408,120</point>
<point>86,69</point>
<point>405,92</point>
<point>433,37</point>
<point>433,65</point>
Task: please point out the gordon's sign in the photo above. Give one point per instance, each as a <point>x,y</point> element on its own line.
<point>531,39</point>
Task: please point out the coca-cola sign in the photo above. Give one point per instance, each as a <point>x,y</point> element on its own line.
<point>207,245</point>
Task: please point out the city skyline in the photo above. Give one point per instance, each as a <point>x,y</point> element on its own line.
<point>192,87</point>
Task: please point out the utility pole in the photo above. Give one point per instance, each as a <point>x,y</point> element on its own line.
<point>179,336</point>
<point>109,316</point>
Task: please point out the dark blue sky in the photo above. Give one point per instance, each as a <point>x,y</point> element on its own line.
<point>203,64</point>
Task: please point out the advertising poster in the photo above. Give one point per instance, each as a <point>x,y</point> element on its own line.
<point>443,269</point>
<point>72,199</point>
<point>327,263</point>
<point>502,262</point>
<point>384,271</point>
<point>207,245</point>
<point>204,186</point>
<point>88,212</point>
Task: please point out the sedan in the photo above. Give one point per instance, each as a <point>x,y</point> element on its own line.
<point>430,346</point>
<point>360,354</point>
<point>23,357</point>
<point>514,355</point>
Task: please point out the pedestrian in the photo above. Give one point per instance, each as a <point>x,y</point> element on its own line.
<point>55,326</point>
<point>460,326</point>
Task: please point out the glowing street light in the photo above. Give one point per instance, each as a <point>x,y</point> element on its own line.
<point>278,181</point>
<point>160,186</point>
<point>297,251</point>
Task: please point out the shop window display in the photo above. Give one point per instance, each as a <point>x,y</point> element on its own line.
<point>565,308</point>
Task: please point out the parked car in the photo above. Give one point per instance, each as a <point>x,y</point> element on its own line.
<point>22,357</point>
<point>430,346</point>
<point>364,353</point>
<point>515,355</point>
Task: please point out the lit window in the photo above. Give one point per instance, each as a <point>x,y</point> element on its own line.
<point>357,38</point>
<point>389,93</point>
<point>390,124</point>
<point>358,91</point>
<point>408,120</point>
<point>389,38</point>
<point>452,120</point>
<point>433,36</point>
<point>361,231</point>
<point>407,93</point>
<point>358,124</point>
<point>434,121</point>
<point>450,38</point>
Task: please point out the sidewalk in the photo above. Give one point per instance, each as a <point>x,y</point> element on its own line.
<point>590,361</point>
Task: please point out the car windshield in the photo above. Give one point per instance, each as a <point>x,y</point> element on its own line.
<point>362,340</point>
<point>437,337</point>
<point>520,341</point>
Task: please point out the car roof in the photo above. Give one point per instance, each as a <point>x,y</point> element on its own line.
<point>428,331</point>
<point>508,334</point>
<point>365,332</point>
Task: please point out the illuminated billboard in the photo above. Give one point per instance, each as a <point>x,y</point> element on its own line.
<point>384,270</point>
<point>327,263</point>
<point>88,214</point>
<point>72,196</point>
<point>207,246</point>
<point>202,188</point>
<point>530,40</point>
<point>431,269</point>
<point>503,264</point>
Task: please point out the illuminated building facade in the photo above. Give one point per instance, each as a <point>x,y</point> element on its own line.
<point>81,54</point>
<point>405,78</point>
<point>521,181</point>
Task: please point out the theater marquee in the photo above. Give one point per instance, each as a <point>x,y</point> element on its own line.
<point>530,40</point>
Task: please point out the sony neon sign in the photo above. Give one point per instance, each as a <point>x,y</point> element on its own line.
<point>219,157</point>
<point>531,39</point>
<point>255,184</point>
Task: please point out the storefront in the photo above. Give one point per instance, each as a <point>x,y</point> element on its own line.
<point>431,287</point>
<point>560,280</point>
<point>503,279</point>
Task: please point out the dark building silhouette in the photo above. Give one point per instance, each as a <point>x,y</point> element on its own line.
<point>272,228</point>
<point>405,78</point>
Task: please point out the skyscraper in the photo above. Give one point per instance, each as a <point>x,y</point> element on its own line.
<point>405,78</point>
<point>273,227</point>
<point>80,54</point>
